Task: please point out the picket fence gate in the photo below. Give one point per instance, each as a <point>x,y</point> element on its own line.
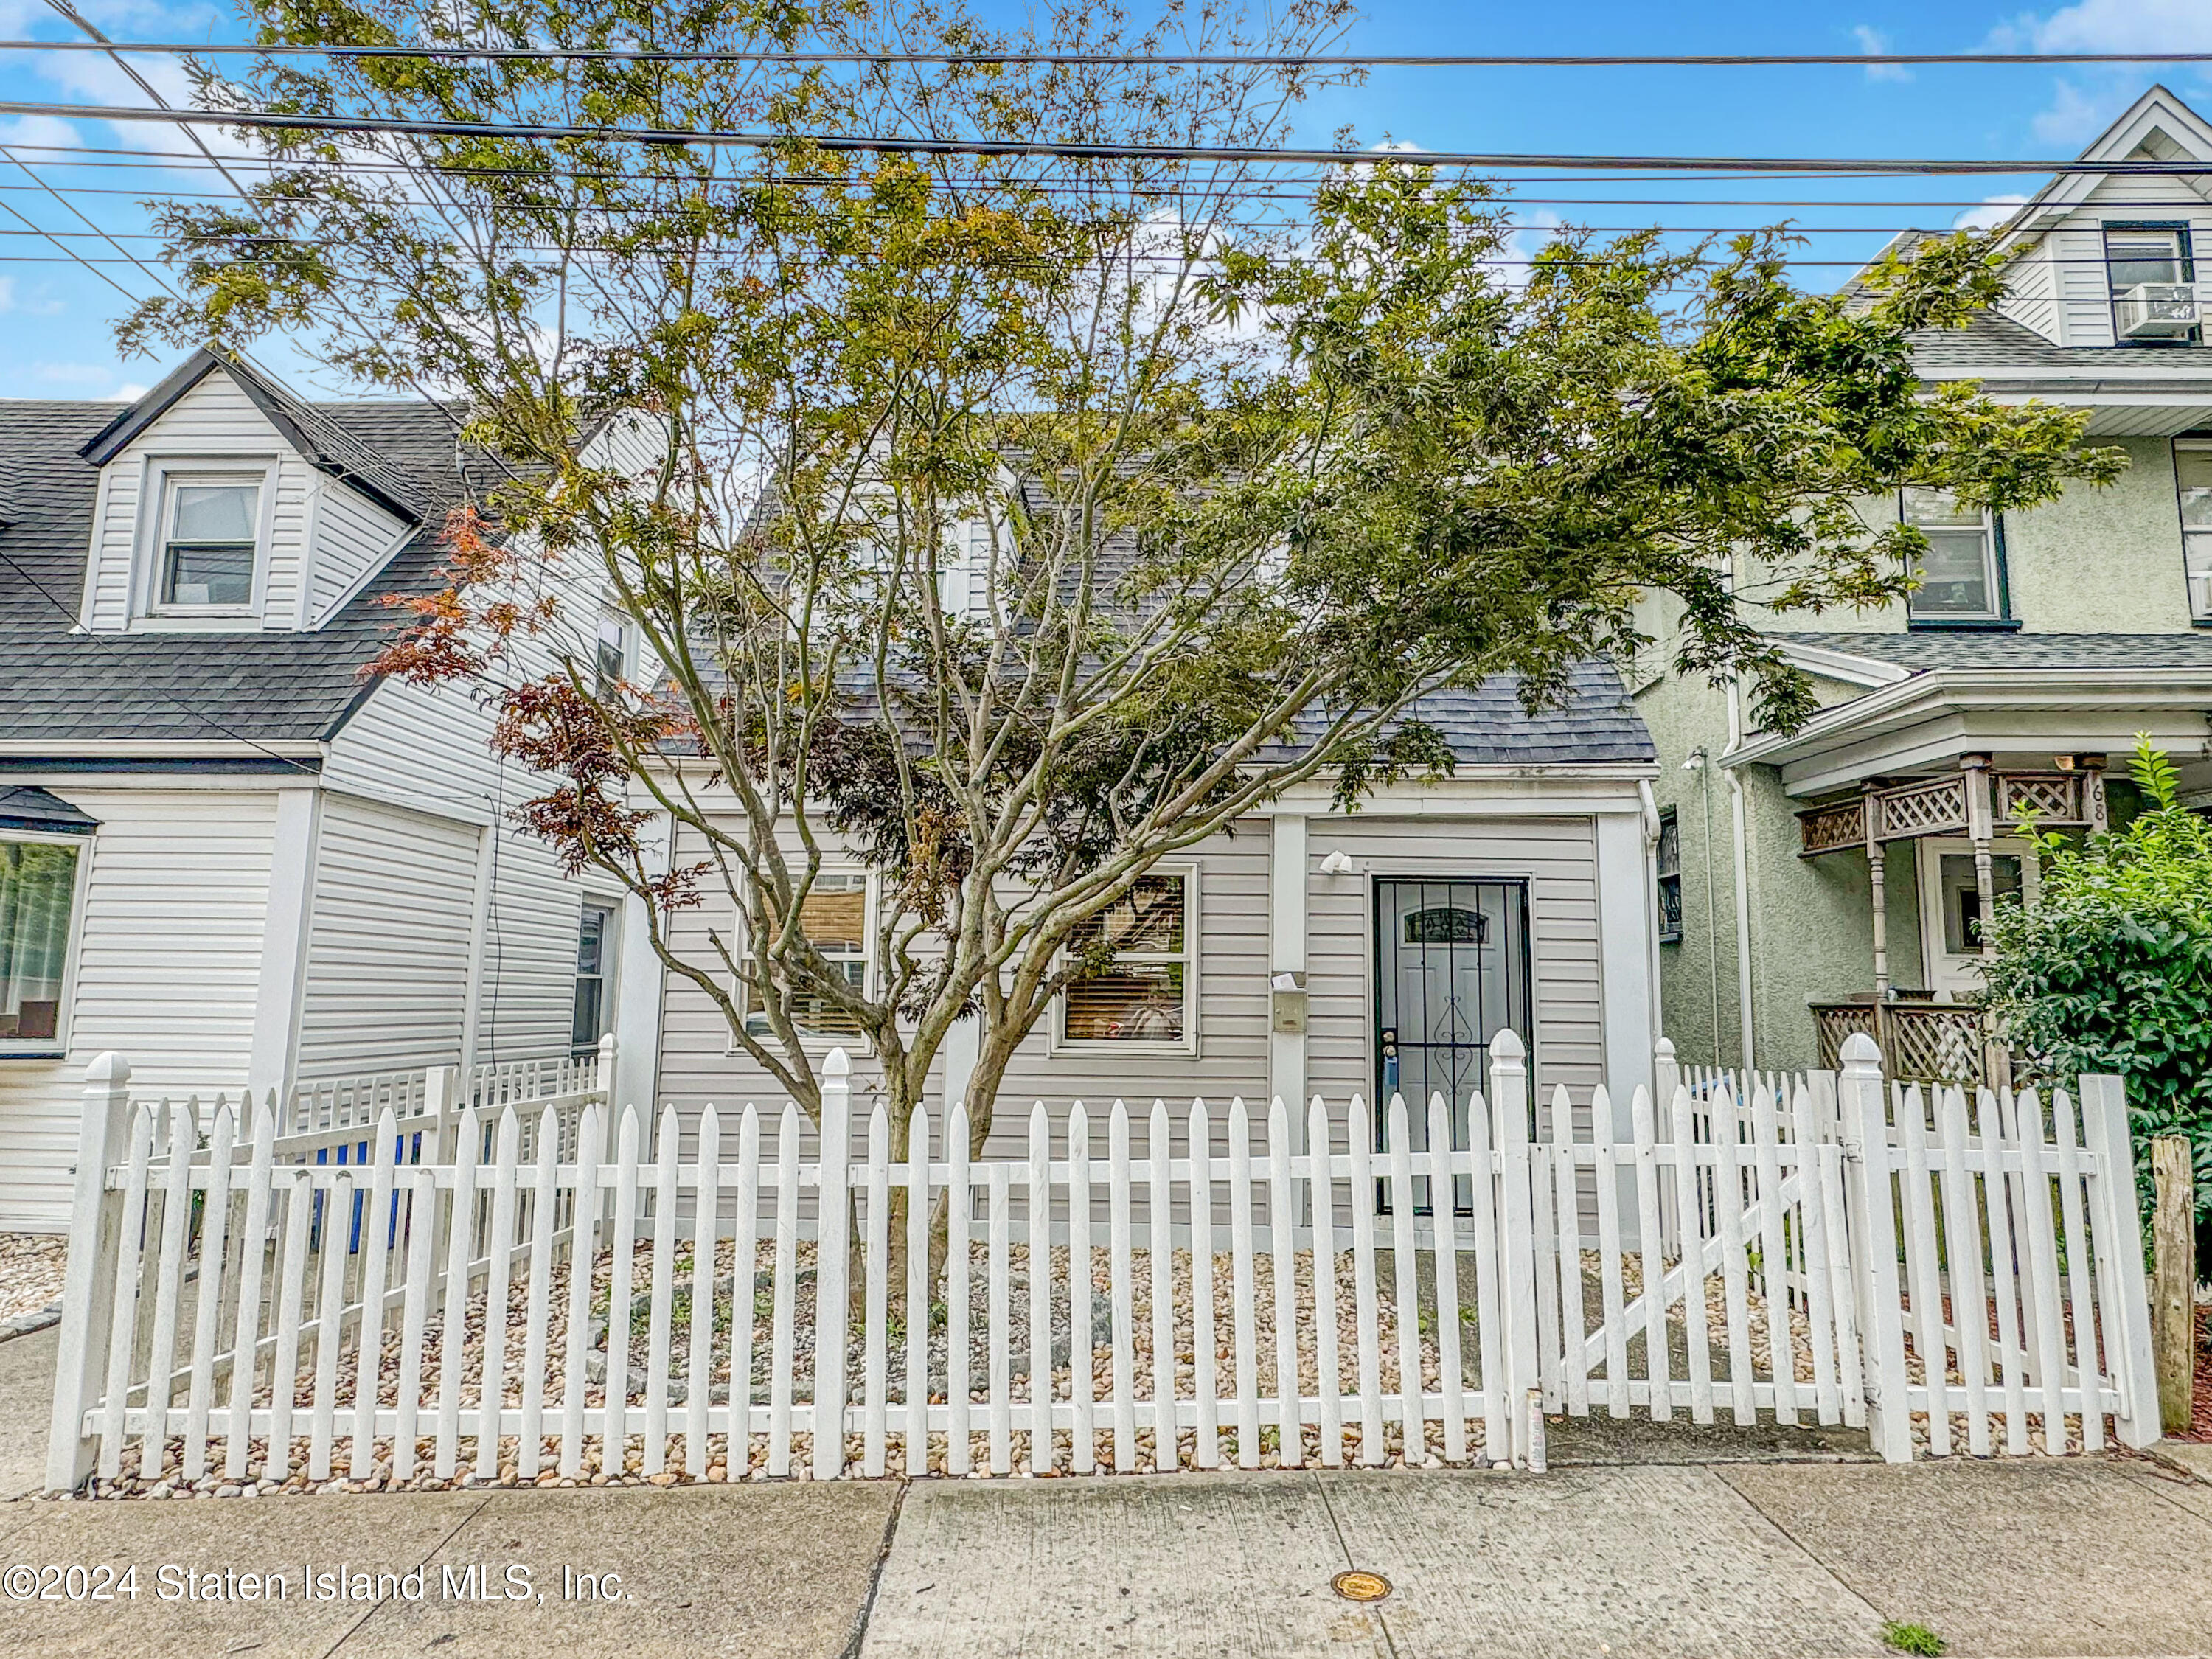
<point>1792,1246</point>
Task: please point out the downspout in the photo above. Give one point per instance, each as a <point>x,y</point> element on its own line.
<point>1652,899</point>
<point>1740,836</point>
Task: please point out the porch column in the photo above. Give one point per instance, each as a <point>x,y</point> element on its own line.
<point>1995,1062</point>
<point>1877,879</point>
<point>2093,794</point>
<point>1979,829</point>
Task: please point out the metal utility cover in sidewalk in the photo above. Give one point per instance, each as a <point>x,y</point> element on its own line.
<point>1656,1562</point>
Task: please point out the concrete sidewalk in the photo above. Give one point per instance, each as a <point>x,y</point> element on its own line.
<point>1785,1560</point>
<point>1658,1542</point>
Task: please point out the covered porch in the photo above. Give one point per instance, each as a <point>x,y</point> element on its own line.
<point>1939,1031</point>
<point>1920,780</point>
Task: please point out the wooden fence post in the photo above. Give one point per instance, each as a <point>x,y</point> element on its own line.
<point>831,1308</point>
<point>1509,1105</point>
<point>2173,1289</point>
<point>1862,1114</point>
<point>95,1226</point>
<point>2120,1234</point>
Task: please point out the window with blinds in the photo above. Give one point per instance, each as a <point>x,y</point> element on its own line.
<point>834,915</point>
<point>1147,992</point>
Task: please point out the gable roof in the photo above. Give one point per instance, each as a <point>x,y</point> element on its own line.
<point>59,685</point>
<point>319,437</point>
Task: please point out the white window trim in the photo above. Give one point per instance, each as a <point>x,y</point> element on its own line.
<point>162,473</point>
<point>2190,583</point>
<point>1189,1044</point>
<point>1955,973</point>
<point>56,1047</point>
<point>813,1042</point>
<point>1993,583</point>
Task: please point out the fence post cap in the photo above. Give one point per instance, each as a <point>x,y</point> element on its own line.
<point>1507,1046</point>
<point>838,1063</point>
<point>108,1068</point>
<point>1664,1048</point>
<point>1860,1052</point>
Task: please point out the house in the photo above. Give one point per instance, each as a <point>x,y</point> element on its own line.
<point>224,853</point>
<point>1310,950</point>
<point>1831,879</point>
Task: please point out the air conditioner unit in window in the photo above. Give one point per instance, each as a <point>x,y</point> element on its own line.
<point>2158,311</point>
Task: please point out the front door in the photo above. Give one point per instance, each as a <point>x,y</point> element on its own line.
<point>1951,908</point>
<point>1451,971</point>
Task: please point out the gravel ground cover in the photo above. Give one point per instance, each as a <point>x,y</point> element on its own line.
<point>31,1266</point>
<point>601,1467</point>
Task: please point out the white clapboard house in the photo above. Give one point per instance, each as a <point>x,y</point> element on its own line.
<point>224,853</point>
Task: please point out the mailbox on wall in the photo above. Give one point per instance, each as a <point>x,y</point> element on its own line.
<point>1287,1001</point>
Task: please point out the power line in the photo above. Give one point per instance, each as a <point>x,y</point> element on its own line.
<point>1018,149</point>
<point>1138,60</point>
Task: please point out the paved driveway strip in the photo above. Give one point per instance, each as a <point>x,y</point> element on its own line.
<point>2017,1557</point>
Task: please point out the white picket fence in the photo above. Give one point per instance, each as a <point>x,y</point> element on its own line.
<point>1807,1246</point>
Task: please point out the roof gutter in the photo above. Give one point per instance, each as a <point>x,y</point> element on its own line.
<point>2183,688</point>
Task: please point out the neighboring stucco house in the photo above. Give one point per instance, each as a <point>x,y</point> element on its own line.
<point>1832,880</point>
<point>223,853</point>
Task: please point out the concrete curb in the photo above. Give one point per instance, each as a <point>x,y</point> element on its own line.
<point>23,1324</point>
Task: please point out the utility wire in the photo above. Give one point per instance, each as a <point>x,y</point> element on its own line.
<point>138,79</point>
<point>847,143</point>
<point>1171,60</point>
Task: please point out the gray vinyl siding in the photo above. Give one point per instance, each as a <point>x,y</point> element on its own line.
<point>1557,856</point>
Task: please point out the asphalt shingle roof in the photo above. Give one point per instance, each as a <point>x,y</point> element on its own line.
<point>1970,648</point>
<point>262,686</point>
<point>271,685</point>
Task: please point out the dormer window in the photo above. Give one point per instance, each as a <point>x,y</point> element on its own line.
<point>203,549</point>
<point>207,558</point>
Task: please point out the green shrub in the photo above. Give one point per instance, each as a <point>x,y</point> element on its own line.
<point>2111,970</point>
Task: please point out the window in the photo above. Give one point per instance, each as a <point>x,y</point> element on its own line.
<point>1962,573</point>
<point>208,545</point>
<point>1670,878</point>
<point>611,659</point>
<point>1962,897</point>
<point>594,939</point>
<point>2135,255</point>
<point>2193,477</point>
<point>834,915</point>
<point>1143,990</point>
<point>37,894</point>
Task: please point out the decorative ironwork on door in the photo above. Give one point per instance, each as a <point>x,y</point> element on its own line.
<point>1451,971</point>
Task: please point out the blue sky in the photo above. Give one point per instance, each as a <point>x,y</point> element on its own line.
<point>57,318</point>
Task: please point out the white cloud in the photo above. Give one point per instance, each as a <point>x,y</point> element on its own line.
<point>1990,213</point>
<point>129,391</point>
<point>2111,26</point>
<point>1874,42</point>
<point>2084,103</point>
<point>76,373</point>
